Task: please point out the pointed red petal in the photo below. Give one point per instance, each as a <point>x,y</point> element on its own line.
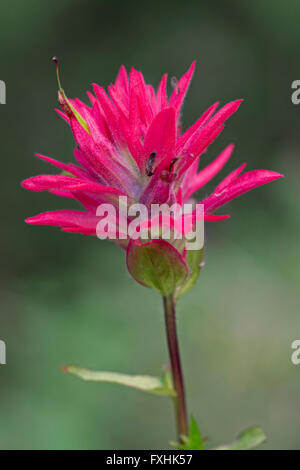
<point>66,167</point>
<point>195,127</point>
<point>199,141</point>
<point>160,139</point>
<point>161,96</point>
<point>215,218</point>
<point>178,95</point>
<point>65,218</point>
<point>121,82</point>
<point>205,175</point>
<point>230,178</point>
<point>239,186</point>
<point>67,183</point>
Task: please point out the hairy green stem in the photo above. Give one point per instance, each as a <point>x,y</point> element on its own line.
<point>180,404</point>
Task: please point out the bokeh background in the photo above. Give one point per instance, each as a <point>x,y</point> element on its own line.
<point>69,299</point>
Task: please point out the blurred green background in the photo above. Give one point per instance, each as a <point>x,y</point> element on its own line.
<point>69,299</point>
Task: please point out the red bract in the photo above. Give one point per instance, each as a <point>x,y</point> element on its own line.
<point>129,142</point>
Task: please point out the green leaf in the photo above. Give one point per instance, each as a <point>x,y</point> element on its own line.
<point>146,383</point>
<point>156,264</point>
<point>65,102</point>
<point>78,117</point>
<point>194,440</point>
<point>67,173</point>
<point>194,259</point>
<point>247,440</point>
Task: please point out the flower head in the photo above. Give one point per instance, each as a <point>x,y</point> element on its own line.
<point>129,142</point>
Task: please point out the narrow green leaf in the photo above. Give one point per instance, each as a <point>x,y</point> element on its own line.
<point>145,383</point>
<point>67,173</point>
<point>194,259</point>
<point>76,114</point>
<point>247,440</point>
<point>194,440</point>
<point>65,102</point>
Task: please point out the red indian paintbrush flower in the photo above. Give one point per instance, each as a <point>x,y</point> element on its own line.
<point>129,143</point>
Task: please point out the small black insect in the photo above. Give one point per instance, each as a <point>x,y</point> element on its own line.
<point>173,163</point>
<point>150,163</point>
